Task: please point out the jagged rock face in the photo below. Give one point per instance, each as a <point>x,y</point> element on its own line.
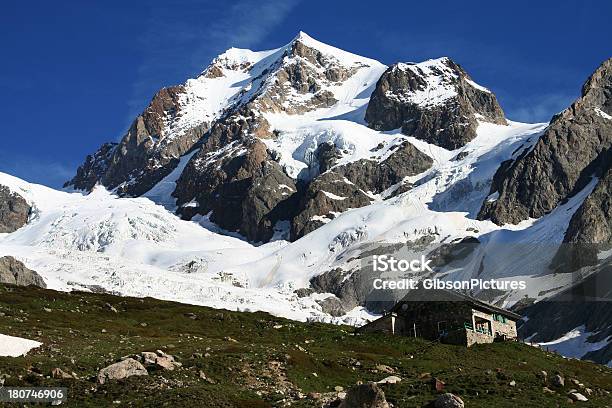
<point>350,185</point>
<point>590,229</point>
<point>376,177</point>
<point>241,187</point>
<point>15,272</point>
<point>327,154</point>
<point>297,83</point>
<point>256,197</point>
<point>326,197</point>
<point>585,304</point>
<point>147,153</point>
<point>91,172</point>
<point>574,147</point>
<point>435,101</point>
<point>14,211</point>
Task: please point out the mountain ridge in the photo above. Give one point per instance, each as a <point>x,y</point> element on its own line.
<point>283,182</point>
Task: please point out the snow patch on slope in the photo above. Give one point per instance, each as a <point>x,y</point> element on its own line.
<point>575,344</point>
<point>16,346</point>
<point>133,247</point>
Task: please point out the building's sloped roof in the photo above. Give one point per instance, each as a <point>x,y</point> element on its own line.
<point>422,295</point>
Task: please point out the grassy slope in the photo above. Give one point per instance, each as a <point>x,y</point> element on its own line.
<point>73,340</point>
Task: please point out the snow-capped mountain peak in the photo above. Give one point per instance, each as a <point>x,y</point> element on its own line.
<point>311,157</point>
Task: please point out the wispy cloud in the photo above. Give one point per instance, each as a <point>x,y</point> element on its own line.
<point>181,38</point>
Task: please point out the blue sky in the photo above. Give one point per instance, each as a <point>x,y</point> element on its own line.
<point>73,74</point>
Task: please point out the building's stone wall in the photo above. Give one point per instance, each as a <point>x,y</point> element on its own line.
<point>428,319</point>
<point>473,337</point>
<point>499,329</point>
<point>457,336</point>
<point>507,330</point>
<point>429,316</point>
<point>385,324</point>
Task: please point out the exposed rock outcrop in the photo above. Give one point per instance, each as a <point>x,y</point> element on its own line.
<point>326,197</point>
<point>351,185</point>
<point>435,101</point>
<point>590,228</point>
<point>376,177</point>
<point>297,83</point>
<point>14,210</point>
<point>249,193</point>
<point>91,172</point>
<point>368,395</point>
<point>121,370</point>
<point>241,187</point>
<point>574,147</point>
<point>145,155</point>
<point>148,152</point>
<point>14,272</point>
<point>585,304</point>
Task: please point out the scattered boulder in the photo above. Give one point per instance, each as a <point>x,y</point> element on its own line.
<point>448,400</point>
<point>123,369</point>
<point>385,369</point>
<point>576,396</point>
<point>204,377</point>
<point>158,360</point>
<point>365,395</point>
<point>58,373</point>
<point>110,307</point>
<point>558,381</point>
<point>14,272</point>
<point>392,379</point>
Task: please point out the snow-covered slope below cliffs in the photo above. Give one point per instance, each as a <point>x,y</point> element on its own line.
<point>443,204</point>
<point>137,248</point>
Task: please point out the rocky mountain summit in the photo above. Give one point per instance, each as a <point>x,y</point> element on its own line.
<point>573,153</point>
<point>574,148</point>
<point>297,165</point>
<point>236,175</point>
<point>435,101</point>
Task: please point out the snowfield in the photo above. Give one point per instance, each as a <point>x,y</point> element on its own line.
<point>136,247</point>
<point>16,346</point>
<point>574,344</point>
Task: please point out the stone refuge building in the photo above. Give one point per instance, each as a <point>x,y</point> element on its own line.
<point>450,317</point>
